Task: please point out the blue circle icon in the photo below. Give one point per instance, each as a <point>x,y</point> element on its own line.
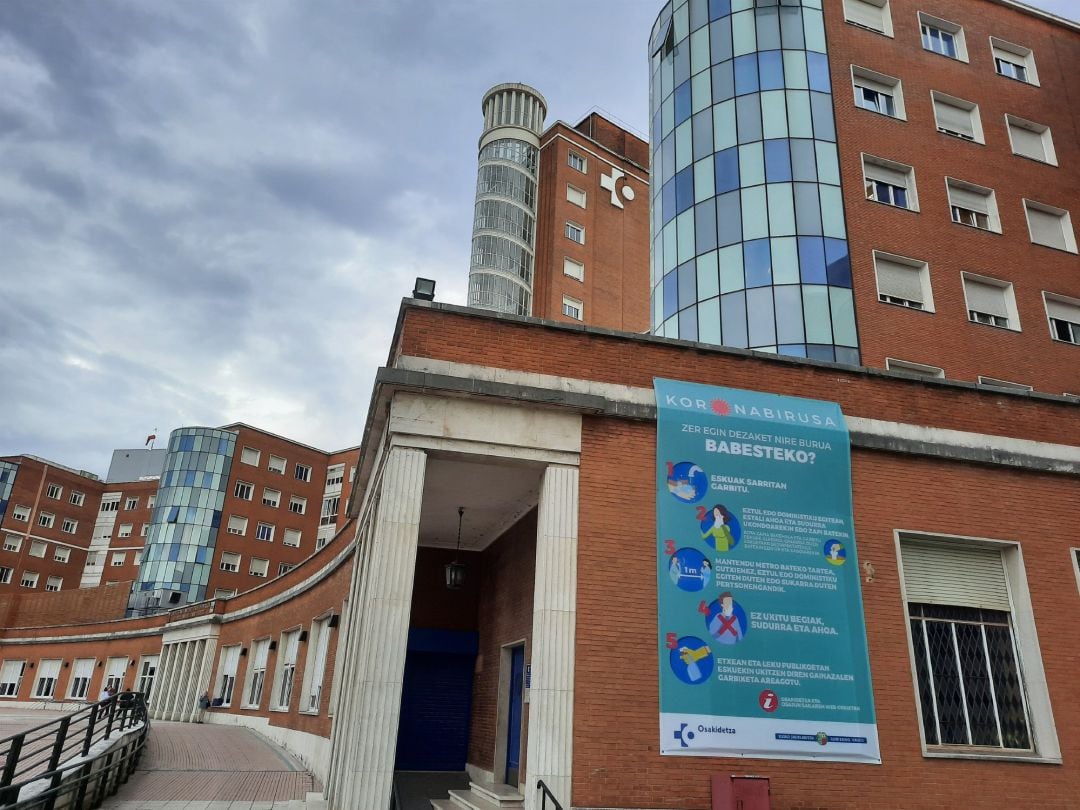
<point>726,620</point>
<point>691,660</point>
<point>721,528</point>
<point>834,551</point>
<point>687,481</point>
<point>690,570</point>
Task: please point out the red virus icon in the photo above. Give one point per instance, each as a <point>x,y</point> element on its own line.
<point>720,407</point>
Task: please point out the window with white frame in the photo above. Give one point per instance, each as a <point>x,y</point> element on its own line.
<point>297,504</point>
<point>5,574</point>
<point>249,455</point>
<point>131,503</point>
<point>575,232</point>
<point>903,281</point>
<point>258,567</point>
<point>990,301</point>
<point>143,529</point>
<point>69,526</point>
<point>572,308</point>
<point>889,182</point>
<point>54,491</point>
<point>228,660</point>
<point>291,537</point>
<point>230,561</point>
<point>1004,385</point>
<point>61,554</point>
<point>224,593</point>
<point>237,525</point>
<point>125,530</point>
<point>243,490</point>
<point>957,117</point>
<point>137,560</point>
<point>302,472</point>
<point>11,674</point>
<point>1031,140</point>
<point>276,464</point>
<point>118,558</point>
<point>20,513</point>
<point>110,502</point>
<point>1014,61</point>
<point>82,670</point>
<point>38,548</point>
<point>288,648</point>
<point>265,532</point>
<point>1050,226</point>
<point>324,536</point>
<point>150,501</point>
<point>329,514</point>
<point>271,497</point>
<point>573,268</point>
<point>257,675</point>
<point>873,15</point>
<point>46,519</point>
<point>115,671</point>
<point>12,542</point>
<point>284,568</point>
<point>1064,316</point>
<point>315,668</point>
<point>77,498</point>
<point>575,196</point>
<point>147,671</point>
<point>29,579</point>
<point>914,369</point>
<point>335,475</point>
<point>47,675</point>
<point>943,37</point>
<point>54,583</point>
<point>972,205</point>
<point>578,162</point>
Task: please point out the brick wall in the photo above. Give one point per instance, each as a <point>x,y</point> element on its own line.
<point>39,609</point>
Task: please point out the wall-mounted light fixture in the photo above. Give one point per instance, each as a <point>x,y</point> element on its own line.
<point>455,571</point>
<point>424,289</point>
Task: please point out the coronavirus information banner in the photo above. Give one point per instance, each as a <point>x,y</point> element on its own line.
<point>762,641</point>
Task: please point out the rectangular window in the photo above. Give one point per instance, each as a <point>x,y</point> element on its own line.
<point>29,579</point>
<point>131,503</point>
<point>1004,385</point>
<point>576,161</point>
<point>575,196</point>
<point>328,516</point>
<point>1014,61</point>
<point>873,15</point>
<point>147,671</point>
<point>315,668</point>
<point>143,529</point>
<point>21,513</point>
<point>889,182</point>
<point>572,308</point>
<point>574,269</point>
<point>297,505</point>
<point>115,672</point>
<point>265,531</point>
<point>237,525</point>
<point>11,674</point>
<point>54,491</point>
<point>70,526</point>
<point>243,490</point>
<point>1064,315</point>
<point>957,117</point>
<point>118,558</point>
<point>224,593</point>
<point>1031,140</point>
<point>12,542</point>
<point>271,497</point>
<point>125,530</point>
<point>47,675</point>
<point>575,232</point>
<point>150,501</point>
<point>914,369</point>
<point>284,568</point>
<point>990,302</point>
<point>110,503</point>
<point>228,660</point>
<point>5,575</point>
<point>46,519</point>
<point>249,455</point>
<point>82,670</point>
<point>971,205</point>
<point>903,281</point>
<point>230,561</point>
<point>1050,226</point>
<point>291,538</point>
<point>334,476</point>
<point>77,498</point>
<point>38,548</point>
<point>258,567</point>
<point>54,583</point>
<point>257,675</point>
<point>303,472</point>
<point>943,37</point>
<point>276,464</point>
<point>62,555</point>
<point>288,647</point>
<point>137,560</point>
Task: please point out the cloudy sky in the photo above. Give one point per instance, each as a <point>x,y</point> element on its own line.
<point>209,210</point>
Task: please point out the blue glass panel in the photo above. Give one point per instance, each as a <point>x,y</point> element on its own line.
<point>777,161</point>
<point>803,165</point>
<point>688,324</point>
<point>824,125</point>
<point>757,264</point>
<point>174,551</point>
<point>709,321</point>
<point>189,478</point>
<point>723,81</point>
<point>791,27</point>
<point>793,350</point>
<point>748,113</point>
<point>807,209</point>
<point>727,170</point>
<point>848,356</point>
<point>759,317</point>
<point>770,69</point>
<point>668,201</point>
<point>215,522</point>
<point>705,226</point>
<point>186,443</point>
<point>817,65</point>
<point>719,8</point>
<point>728,219</point>
<point>812,260</point>
<point>682,63</point>
<point>683,101</point>
<point>656,127</point>
<point>720,40</point>
<point>702,128</point>
<point>789,315</point>
<point>746,75</point>
<point>699,13</point>
<point>671,294</point>
<point>684,189</point>
<point>768,29</point>
<point>687,283</point>
<point>733,319</point>
<point>667,166</point>
<point>838,263</point>
<point>817,352</point>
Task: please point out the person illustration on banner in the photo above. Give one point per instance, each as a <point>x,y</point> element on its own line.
<point>726,626</point>
<point>835,553</point>
<point>716,529</point>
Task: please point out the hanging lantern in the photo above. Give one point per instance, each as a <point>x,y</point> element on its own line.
<point>455,571</point>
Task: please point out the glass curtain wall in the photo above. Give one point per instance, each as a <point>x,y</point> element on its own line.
<point>7,481</point>
<point>749,242</point>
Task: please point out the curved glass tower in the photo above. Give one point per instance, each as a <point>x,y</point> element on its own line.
<point>504,224</point>
<point>184,524</point>
<point>749,247</point>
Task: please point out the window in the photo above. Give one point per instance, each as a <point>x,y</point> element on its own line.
<point>265,532</point>
<point>29,579</point>
<point>575,196</point>
<point>110,503</point>
<point>143,529</point>
<point>276,464</point>
<point>902,281</point>
<point>62,555</point>
<point>574,269</point>
<point>224,593</point>
<point>315,668</point>
<point>352,473</point>
<point>115,671</point>
<point>227,663</point>
<point>1031,140</point>
<point>957,117</point>
<point>243,490</point>
<point>287,650</point>
<point>335,475</point>
<point>1005,385</point>
<point>914,369</point>
<point>48,673</point>
<point>81,673</point>
<point>131,503</point>
<point>5,575</point>
<point>147,671</point>
<point>237,525</point>
<point>258,567</point>
<point>11,677</point>
<point>38,548</point>
<point>125,530</point>
<point>943,37</point>
<point>12,542</point>
<point>46,519</point>
<point>271,497</point>
<point>1064,315</point>
<point>890,182</point>
<point>118,558</point>
<point>150,501</point>
<point>137,558</point>
<point>328,516</point>
<point>1050,226</point>
<point>291,538</point>
<point>575,232</point>
<point>21,513</point>
<point>1014,61</point>
<point>572,308</point>
<point>77,498</point>
<point>54,491</point>
<point>971,205</point>
<point>870,14</point>
<point>284,568</point>
<point>230,561</point>
<point>323,537</point>
<point>990,302</point>
<point>70,526</point>
<point>249,455</point>
<point>297,504</point>
<point>303,472</point>
<point>54,583</point>
<point>576,161</point>
<point>257,676</point>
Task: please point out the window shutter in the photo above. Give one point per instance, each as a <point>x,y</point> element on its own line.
<point>1027,143</point>
<point>870,84</point>
<point>953,574</point>
<point>262,651</point>
<point>84,668</point>
<point>885,174</point>
<point>865,14</point>
<point>987,298</point>
<point>899,280</point>
<point>971,200</point>
<point>953,118</point>
<point>1062,310</point>
<point>1046,228</point>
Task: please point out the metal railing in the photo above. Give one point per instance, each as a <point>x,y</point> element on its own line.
<point>547,794</point>
<point>77,760</point>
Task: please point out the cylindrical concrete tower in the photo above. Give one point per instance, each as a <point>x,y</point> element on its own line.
<point>504,224</point>
<point>749,246</point>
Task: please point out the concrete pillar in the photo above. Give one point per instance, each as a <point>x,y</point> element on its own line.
<point>202,666</point>
<point>183,652</point>
<point>549,751</point>
<point>161,681</point>
<point>378,638</point>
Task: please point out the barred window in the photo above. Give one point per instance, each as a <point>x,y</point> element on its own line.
<point>507,181</point>
<point>517,151</point>
<point>497,253</point>
<point>504,216</point>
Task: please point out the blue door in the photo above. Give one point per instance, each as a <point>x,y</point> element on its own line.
<point>513,725</point>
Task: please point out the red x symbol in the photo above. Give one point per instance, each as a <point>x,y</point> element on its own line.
<point>728,625</point>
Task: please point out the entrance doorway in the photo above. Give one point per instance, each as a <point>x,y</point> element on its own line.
<point>515,695</point>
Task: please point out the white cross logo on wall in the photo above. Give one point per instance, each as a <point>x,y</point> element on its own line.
<point>610,183</point>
